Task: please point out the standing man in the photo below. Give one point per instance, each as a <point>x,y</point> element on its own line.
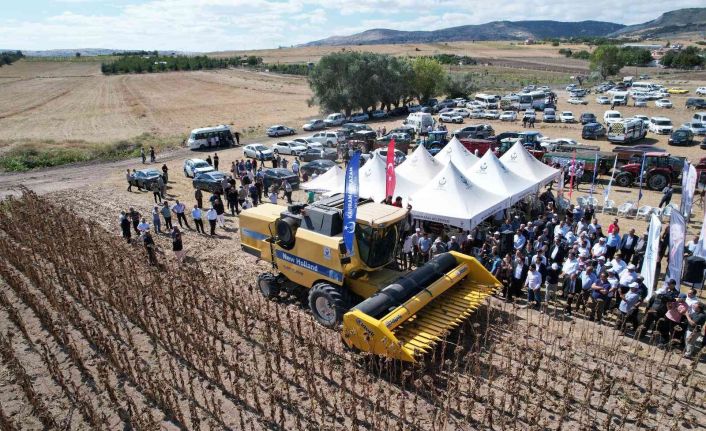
<point>295,167</point>
<point>215,161</point>
<point>156,221</point>
<point>196,215</point>
<point>162,187</point>
<point>627,245</point>
<point>135,218</point>
<point>287,190</point>
<point>179,209</point>
<point>629,308</point>
<point>125,226</point>
<point>198,195</point>
<point>150,248</point>
<point>666,196</point>
<point>696,320</point>
<point>128,177</point>
<point>212,216</point>
<point>572,289</point>
<point>599,297</point>
<point>143,156</point>
<point>167,214</point>
<point>156,193</point>
<point>424,247</point>
<point>153,158</point>
<point>519,275</point>
<point>534,286</point>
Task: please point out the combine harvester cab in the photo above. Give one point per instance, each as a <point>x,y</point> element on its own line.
<point>409,317</point>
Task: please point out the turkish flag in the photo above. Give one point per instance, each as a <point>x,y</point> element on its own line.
<point>390,180</point>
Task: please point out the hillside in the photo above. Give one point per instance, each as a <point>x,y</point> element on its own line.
<point>497,30</point>
<point>668,24</point>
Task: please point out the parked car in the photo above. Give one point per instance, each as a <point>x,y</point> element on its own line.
<point>144,178</point>
<point>478,131</point>
<point>291,148</point>
<point>399,111</point>
<point>209,181</point>
<point>593,131</point>
<point>576,101</point>
<point>193,167</point>
<point>491,114</point>
<point>312,125</point>
<point>567,117</point>
<point>317,167</point>
<point>701,91</point>
<point>359,117</point>
<point>645,119</point>
<point>508,116</point>
<point>258,151</point>
<point>612,117</point>
<point>695,103</point>
<point>379,114</point>
<point>696,128</point>
<point>272,176</point>
<point>660,125</point>
<point>400,138</point>
<point>399,155</point>
<point>529,113</point>
<point>465,113</point>
<point>414,108</point>
<point>308,143</point>
<point>603,100</point>
<point>677,90</point>
<point>640,102</point>
<point>311,154</point>
<point>578,92</point>
<point>587,117</point>
<point>335,119</point>
<point>681,137</point>
<point>280,130</point>
<point>348,128</point>
<point>450,117</point>
<point>477,113</point>
<point>549,115</point>
<point>663,103</point>
<point>328,138</point>
<point>702,145</point>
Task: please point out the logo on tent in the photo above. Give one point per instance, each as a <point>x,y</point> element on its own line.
<point>513,156</point>
<point>368,172</point>
<point>483,166</point>
<point>413,160</point>
<point>442,181</point>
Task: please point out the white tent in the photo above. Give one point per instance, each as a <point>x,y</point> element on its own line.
<point>419,167</point>
<point>524,164</point>
<point>333,179</point>
<point>451,198</point>
<point>371,179</point>
<point>491,174</point>
<point>456,152</point>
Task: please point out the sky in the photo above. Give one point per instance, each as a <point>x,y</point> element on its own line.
<point>220,25</point>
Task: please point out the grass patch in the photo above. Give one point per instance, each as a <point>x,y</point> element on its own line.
<point>24,156</point>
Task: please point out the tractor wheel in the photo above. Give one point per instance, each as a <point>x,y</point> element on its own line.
<point>268,285</point>
<point>327,304</point>
<point>623,180</point>
<point>657,182</point>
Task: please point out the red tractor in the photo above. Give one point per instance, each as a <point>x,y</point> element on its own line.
<point>660,169</point>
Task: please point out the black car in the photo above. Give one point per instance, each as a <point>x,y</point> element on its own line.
<point>695,103</point>
<point>144,178</point>
<point>505,135</point>
<point>681,137</point>
<point>277,175</point>
<point>588,117</point>
<point>317,167</point>
<point>316,154</point>
<point>703,144</point>
<point>479,131</point>
<point>209,181</point>
<point>350,128</point>
<point>593,131</point>
<point>399,111</point>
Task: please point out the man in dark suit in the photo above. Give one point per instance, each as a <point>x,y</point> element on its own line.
<point>639,252</point>
<point>557,252</point>
<point>627,245</point>
<point>572,289</point>
<point>519,275</point>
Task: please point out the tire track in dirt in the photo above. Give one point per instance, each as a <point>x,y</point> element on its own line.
<point>35,106</point>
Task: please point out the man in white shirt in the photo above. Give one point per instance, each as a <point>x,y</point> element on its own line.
<point>519,241</point>
<point>196,215</point>
<point>534,285</point>
<point>143,226</point>
<point>618,264</point>
<point>593,227</point>
<point>628,275</point>
<point>571,265</point>
<point>212,216</point>
<point>179,209</point>
<point>599,249</point>
<point>629,308</point>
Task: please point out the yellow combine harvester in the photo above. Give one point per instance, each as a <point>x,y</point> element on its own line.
<point>403,315</point>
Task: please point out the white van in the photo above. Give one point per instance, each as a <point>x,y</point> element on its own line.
<point>488,101</point>
<point>626,131</point>
<point>699,117</point>
<point>620,98</point>
<point>210,137</point>
<point>420,121</point>
<point>642,86</point>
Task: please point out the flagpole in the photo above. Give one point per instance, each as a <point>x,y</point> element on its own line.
<point>642,173</point>
<point>595,174</point>
<point>610,184</point>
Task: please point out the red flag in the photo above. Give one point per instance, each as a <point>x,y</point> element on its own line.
<point>391,180</point>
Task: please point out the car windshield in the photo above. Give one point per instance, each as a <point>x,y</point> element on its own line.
<point>278,173</point>
<point>259,148</point>
<point>376,246</point>
<point>216,175</point>
<point>613,115</point>
<point>201,164</point>
<point>663,122</point>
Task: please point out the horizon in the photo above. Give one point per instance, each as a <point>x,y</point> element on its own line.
<point>200,26</point>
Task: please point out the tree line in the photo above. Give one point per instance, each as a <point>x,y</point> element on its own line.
<point>155,63</point>
<point>9,57</point>
<point>346,81</point>
<point>687,58</point>
<point>609,59</point>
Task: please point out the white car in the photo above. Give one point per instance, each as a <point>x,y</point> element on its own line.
<point>335,119</point>
<point>701,91</point>
<point>280,130</point>
<point>491,114</point>
<point>529,113</point>
<point>576,101</point>
<point>640,102</point>
<point>696,128</point>
<point>291,148</point>
<point>603,100</point>
<point>477,113</point>
<point>465,113</point>
<point>359,117</point>
<point>552,144</point>
<point>450,117</point>
<point>308,143</point>
<point>258,151</point>
<point>663,103</point>
<point>314,125</point>
<point>644,118</point>
<point>612,117</point>
<point>567,117</point>
<point>474,104</point>
<point>330,139</point>
<point>660,125</point>
<point>508,116</point>
<point>193,167</point>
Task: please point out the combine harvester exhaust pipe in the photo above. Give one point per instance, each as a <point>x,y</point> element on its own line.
<point>407,318</point>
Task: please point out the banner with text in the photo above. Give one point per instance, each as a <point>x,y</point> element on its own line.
<point>677,232</point>
<point>350,201</point>
<point>649,264</point>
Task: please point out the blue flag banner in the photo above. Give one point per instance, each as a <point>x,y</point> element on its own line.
<point>642,172</point>
<point>350,201</point>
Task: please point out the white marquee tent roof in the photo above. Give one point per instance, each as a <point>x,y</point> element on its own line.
<point>371,180</point>
<point>456,152</point>
<point>451,198</point>
<point>419,167</point>
<point>332,179</point>
<point>491,174</point>
<point>524,164</point>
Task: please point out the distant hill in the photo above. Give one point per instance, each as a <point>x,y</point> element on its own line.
<point>669,24</point>
<point>496,30</point>
<point>85,52</point>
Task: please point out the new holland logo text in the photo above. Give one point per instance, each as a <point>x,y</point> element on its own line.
<point>311,266</point>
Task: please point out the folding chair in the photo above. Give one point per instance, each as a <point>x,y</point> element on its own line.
<point>590,200</point>
<point>666,212</point>
<point>644,212</point>
<point>625,209</point>
<point>609,207</point>
<point>581,202</point>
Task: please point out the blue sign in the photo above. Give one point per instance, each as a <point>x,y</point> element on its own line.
<point>253,234</point>
<point>350,201</point>
<point>309,265</point>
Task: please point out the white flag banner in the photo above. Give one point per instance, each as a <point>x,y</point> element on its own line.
<point>700,249</point>
<point>649,264</point>
<point>684,180</point>
<point>610,183</point>
<point>677,232</point>
<point>687,195</point>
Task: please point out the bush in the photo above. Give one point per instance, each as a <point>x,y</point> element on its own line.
<point>9,57</point>
<point>687,58</point>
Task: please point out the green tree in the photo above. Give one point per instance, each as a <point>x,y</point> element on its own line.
<point>459,85</point>
<point>606,60</point>
<point>429,77</point>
